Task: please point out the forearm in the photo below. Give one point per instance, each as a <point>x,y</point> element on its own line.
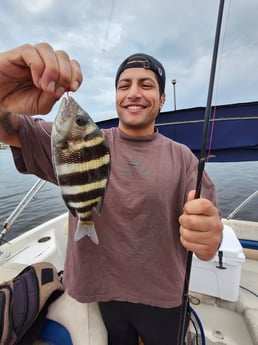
<point>9,128</point>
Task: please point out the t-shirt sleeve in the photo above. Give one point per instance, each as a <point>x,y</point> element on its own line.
<point>34,156</point>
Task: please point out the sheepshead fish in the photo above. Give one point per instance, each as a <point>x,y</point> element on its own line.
<point>81,160</point>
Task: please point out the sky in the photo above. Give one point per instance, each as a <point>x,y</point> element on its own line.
<point>100,34</point>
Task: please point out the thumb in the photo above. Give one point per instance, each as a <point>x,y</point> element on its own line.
<point>191,195</point>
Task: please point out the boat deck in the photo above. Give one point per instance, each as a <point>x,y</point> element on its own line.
<point>225,317</point>
<point>241,315</point>
<point>224,322</point>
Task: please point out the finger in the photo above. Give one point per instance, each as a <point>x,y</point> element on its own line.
<point>193,240</point>
<point>203,244</point>
<point>42,61</point>
<point>203,251</point>
<point>28,62</point>
<point>200,235</point>
<point>200,206</point>
<point>76,78</point>
<point>191,195</point>
<point>65,72</point>
<point>50,76</point>
<point>68,76</point>
<point>51,71</point>
<point>196,222</point>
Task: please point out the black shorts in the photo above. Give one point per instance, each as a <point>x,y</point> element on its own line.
<point>126,322</point>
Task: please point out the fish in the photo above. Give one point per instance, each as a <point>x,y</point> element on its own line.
<point>81,160</point>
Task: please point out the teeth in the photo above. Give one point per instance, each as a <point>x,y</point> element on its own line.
<point>134,107</point>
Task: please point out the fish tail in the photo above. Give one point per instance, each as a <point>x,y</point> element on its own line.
<point>86,229</point>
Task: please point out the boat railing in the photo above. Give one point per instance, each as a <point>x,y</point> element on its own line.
<point>20,207</point>
<point>242,205</point>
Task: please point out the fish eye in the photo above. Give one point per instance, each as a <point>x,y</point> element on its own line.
<point>80,120</point>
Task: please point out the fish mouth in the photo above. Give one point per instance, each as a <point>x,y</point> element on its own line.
<point>61,126</point>
<point>63,118</point>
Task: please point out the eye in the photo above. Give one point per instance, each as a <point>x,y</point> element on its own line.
<point>147,85</point>
<point>123,85</point>
<point>80,120</point>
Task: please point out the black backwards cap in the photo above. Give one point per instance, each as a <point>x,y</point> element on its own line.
<point>141,60</point>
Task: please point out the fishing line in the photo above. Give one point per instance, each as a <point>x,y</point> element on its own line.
<point>207,115</point>
<point>218,81</point>
<point>201,164</point>
<point>40,121</point>
<point>218,75</point>
<point>108,26</point>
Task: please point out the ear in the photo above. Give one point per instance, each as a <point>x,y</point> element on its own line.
<point>162,100</point>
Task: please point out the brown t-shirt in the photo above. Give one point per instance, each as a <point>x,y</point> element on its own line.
<point>139,258</point>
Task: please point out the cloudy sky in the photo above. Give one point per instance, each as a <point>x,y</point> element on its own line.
<point>180,33</point>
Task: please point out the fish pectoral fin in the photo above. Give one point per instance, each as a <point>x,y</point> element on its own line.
<point>86,229</point>
<point>98,207</point>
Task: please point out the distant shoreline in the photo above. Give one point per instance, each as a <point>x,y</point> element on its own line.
<point>3,146</point>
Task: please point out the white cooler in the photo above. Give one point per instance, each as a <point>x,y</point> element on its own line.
<point>220,277</point>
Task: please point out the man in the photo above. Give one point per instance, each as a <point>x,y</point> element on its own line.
<point>150,217</point>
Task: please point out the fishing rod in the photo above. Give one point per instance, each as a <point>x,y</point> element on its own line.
<point>20,207</point>
<point>201,165</point>
<point>243,204</point>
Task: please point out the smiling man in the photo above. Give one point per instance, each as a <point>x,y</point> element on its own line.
<point>153,177</point>
<point>149,218</point>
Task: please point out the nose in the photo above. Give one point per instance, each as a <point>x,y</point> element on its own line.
<point>134,91</point>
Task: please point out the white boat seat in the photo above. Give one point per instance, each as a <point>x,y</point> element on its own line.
<point>82,320</point>
<point>10,270</point>
<point>248,301</point>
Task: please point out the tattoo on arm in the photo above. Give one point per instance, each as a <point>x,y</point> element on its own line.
<point>6,123</point>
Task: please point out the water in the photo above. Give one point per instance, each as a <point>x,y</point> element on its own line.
<point>234,183</point>
<point>14,186</point>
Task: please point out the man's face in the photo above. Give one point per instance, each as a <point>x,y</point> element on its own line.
<point>138,101</point>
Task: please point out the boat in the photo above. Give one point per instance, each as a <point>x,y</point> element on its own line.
<point>223,292</point>
<point>219,320</point>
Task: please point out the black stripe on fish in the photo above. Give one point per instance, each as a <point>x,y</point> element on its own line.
<point>86,219</point>
<point>83,154</point>
<point>83,196</point>
<point>83,177</point>
<point>87,208</point>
